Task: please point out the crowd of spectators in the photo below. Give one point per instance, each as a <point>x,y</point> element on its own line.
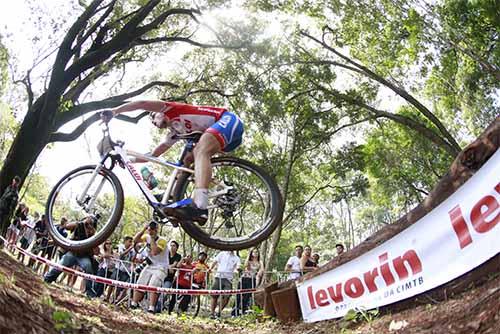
<point>304,261</point>
<point>149,259</point>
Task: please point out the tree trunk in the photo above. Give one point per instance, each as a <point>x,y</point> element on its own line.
<point>286,182</point>
<point>25,149</point>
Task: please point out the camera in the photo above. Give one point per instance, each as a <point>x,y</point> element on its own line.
<point>140,267</point>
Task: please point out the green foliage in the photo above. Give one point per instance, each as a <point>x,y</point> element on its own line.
<point>8,281</point>
<point>4,62</point>
<point>356,316</point>
<point>63,320</point>
<point>34,192</point>
<point>252,319</point>
<point>47,300</point>
<point>344,170</point>
<point>8,129</point>
<point>402,167</point>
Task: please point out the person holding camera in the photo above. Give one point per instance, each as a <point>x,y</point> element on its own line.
<point>81,230</point>
<point>157,262</point>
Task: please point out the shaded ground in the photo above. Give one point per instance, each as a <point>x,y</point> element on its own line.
<point>27,305</point>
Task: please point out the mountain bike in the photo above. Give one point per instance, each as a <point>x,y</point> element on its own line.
<point>245,204</point>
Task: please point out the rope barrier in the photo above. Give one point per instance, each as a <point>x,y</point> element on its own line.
<point>126,285</point>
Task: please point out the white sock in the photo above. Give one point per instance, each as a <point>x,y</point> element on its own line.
<point>201,198</point>
<point>132,303</point>
<point>151,308</point>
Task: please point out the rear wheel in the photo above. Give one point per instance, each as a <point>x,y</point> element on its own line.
<point>245,205</point>
<point>82,194</point>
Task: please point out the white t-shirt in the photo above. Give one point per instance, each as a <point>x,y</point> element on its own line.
<point>294,262</point>
<point>126,260</point>
<point>29,233</point>
<point>227,263</point>
<point>159,260</point>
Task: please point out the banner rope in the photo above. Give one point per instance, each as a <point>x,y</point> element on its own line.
<point>126,285</point>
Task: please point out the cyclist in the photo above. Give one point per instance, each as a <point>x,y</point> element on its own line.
<point>222,132</point>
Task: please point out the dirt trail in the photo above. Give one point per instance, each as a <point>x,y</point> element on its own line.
<point>28,305</point>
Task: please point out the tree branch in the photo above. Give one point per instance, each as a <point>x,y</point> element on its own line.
<point>141,41</point>
<point>80,129</point>
<point>82,109</point>
<point>143,89</point>
<point>399,91</point>
<point>302,205</point>
<point>96,25</point>
<point>65,52</point>
<point>407,121</point>
<point>163,16</point>
<point>74,92</point>
<point>199,91</point>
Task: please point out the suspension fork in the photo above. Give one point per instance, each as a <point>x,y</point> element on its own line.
<point>80,199</point>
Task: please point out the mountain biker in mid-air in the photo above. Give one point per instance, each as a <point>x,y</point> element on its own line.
<point>222,132</point>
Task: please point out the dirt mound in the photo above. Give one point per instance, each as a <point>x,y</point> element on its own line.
<point>28,305</point>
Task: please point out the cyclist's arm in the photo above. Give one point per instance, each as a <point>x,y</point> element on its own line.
<point>158,150</point>
<point>149,105</point>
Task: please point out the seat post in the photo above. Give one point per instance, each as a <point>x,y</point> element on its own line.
<point>187,149</point>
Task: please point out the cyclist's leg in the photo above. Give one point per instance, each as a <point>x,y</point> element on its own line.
<point>225,135</point>
<point>203,152</point>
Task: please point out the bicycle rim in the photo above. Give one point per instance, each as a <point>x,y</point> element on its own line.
<point>240,217</point>
<point>103,200</point>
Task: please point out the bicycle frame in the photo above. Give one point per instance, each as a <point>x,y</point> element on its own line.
<point>122,156</point>
<point>177,167</point>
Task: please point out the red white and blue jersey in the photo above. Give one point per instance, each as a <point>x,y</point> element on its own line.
<point>185,118</point>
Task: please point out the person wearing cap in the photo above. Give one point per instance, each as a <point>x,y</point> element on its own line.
<point>156,270</point>
<point>81,230</point>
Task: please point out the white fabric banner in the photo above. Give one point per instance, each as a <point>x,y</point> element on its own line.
<point>454,238</point>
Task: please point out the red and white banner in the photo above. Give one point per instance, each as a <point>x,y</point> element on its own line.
<point>454,238</point>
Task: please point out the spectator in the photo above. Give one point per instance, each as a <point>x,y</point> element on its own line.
<point>8,201</point>
<point>253,271</point>
<point>174,259</point>
<point>227,264</point>
<point>306,261</point>
<point>28,235</point>
<point>157,261</point>
<point>126,254</point>
<point>293,264</point>
<point>141,253</point>
<point>339,248</point>
<point>41,242</point>
<point>315,258</point>
<point>200,271</point>
<point>61,228</point>
<point>14,230</point>
<point>184,278</point>
<point>81,230</point>
<point>105,269</point>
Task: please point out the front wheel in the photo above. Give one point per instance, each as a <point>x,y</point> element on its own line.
<point>245,205</point>
<point>86,195</point>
